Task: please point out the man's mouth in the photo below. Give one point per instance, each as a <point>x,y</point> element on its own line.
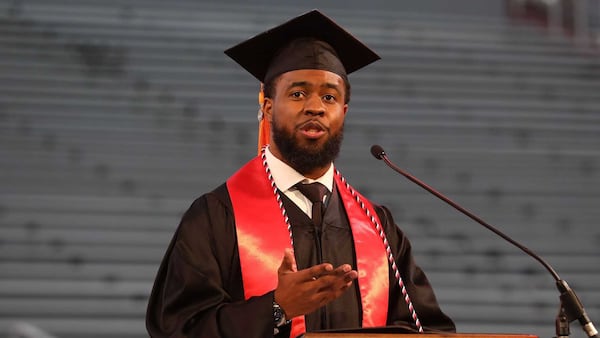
<point>312,129</point>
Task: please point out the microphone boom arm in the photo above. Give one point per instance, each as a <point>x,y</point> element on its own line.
<point>573,308</point>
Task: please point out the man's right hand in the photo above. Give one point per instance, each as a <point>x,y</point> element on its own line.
<point>304,291</point>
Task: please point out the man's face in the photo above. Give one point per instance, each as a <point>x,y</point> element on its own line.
<point>307,114</point>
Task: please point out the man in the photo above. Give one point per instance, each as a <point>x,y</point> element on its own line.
<point>345,263</point>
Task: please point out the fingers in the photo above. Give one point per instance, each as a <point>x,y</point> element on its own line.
<point>316,271</point>
<point>331,285</point>
<point>326,269</point>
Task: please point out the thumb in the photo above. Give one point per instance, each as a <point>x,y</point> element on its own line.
<point>288,264</point>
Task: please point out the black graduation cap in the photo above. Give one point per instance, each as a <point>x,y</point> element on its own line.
<point>309,41</point>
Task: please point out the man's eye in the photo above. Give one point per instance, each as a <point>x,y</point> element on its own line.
<point>297,95</point>
<point>329,97</point>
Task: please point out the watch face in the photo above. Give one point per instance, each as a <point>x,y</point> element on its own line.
<point>278,315</point>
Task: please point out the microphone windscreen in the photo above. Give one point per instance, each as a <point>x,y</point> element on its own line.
<point>377,151</point>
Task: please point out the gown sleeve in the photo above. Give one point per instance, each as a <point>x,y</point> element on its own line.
<point>419,290</point>
<point>198,290</point>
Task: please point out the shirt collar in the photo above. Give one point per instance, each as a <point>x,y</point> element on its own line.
<point>286,177</point>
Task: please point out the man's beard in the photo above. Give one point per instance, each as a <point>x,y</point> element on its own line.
<point>306,158</point>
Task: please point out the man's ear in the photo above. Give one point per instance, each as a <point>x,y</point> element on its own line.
<point>267,109</point>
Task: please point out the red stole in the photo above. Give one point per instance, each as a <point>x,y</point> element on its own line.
<point>262,236</point>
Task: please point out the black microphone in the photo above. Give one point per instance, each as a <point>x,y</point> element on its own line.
<point>573,308</point>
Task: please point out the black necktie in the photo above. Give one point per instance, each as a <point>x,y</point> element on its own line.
<point>315,192</point>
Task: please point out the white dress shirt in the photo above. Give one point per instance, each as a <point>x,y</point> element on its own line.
<point>286,177</point>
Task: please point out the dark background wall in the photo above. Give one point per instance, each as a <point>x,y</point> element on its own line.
<point>115,115</point>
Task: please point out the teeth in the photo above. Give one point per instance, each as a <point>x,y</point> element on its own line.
<point>312,128</point>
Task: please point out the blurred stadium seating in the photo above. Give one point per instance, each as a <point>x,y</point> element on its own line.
<point>115,115</point>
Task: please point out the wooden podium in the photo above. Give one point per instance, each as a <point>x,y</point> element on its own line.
<point>414,335</point>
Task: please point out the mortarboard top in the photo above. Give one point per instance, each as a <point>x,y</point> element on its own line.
<point>309,41</point>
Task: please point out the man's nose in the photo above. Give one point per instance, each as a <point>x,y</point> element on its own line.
<point>314,106</point>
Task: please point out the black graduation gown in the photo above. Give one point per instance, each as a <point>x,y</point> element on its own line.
<point>198,290</point>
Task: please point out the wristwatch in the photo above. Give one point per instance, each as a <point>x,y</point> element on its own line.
<point>279,316</point>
